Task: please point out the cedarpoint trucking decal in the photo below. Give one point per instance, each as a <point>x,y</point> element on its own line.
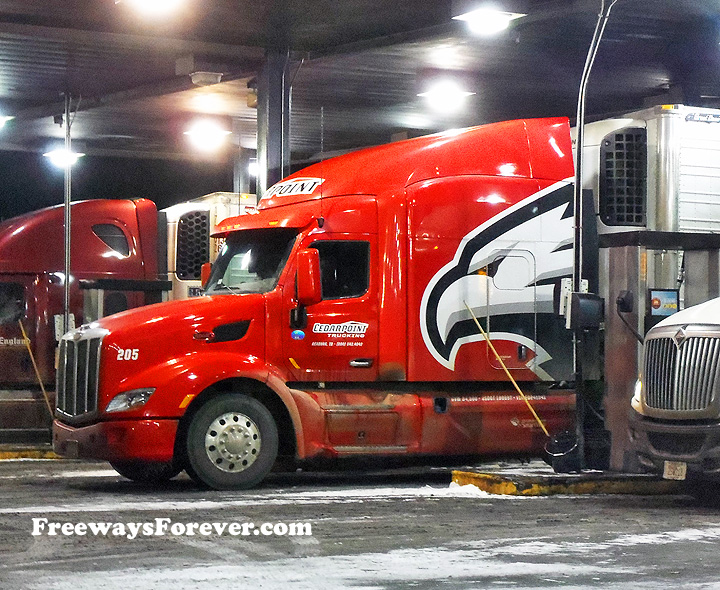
<point>344,330</point>
<point>294,186</point>
<point>338,334</point>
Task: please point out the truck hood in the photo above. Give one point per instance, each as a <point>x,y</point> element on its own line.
<point>164,344</point>
<point>703,313</point>
<point>175,323</point>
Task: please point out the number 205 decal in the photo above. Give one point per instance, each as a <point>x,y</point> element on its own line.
<point>128,354</point>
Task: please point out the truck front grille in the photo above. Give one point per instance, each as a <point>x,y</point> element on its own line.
<point>78,373</point>
<point>681,378</point>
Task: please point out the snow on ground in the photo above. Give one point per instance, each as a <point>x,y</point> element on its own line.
<point>282,498</point>
<point>364,571</point>
<point>520,562</point>
<point>527,547</point>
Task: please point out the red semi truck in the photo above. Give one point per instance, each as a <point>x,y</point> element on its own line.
<point>113,240</point>
<point>335,320</point>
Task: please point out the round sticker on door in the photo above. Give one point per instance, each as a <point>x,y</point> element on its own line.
<point>297,335</point>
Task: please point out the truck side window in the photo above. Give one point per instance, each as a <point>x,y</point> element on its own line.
<point>12,304</point>
<point>344,268</point>
<point>113,237</point>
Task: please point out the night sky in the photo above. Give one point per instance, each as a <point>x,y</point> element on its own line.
<point>28,181</point>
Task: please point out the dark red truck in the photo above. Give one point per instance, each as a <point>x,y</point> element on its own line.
<point>124,254</point>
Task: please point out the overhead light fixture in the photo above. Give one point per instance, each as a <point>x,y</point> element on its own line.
<point>61,158</point>
<point>153,8</point>
<point>446,96</point>
<point>4,120</point>
<point>207,135</point>
<point>488,21</point>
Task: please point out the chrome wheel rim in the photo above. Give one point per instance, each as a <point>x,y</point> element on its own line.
<point>233,442</point>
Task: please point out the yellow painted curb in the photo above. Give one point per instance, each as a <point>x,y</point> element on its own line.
<point>553,485</point>
<point>27,454</point>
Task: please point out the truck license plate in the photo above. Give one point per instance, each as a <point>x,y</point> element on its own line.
<point>675,470</point>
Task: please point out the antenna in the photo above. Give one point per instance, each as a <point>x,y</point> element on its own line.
<point>322,133</point>
<point>322,154</point>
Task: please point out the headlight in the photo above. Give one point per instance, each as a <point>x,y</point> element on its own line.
<point>635,401</point>
<point>130,399</point>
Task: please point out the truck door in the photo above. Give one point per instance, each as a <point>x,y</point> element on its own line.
<point>339,339</point>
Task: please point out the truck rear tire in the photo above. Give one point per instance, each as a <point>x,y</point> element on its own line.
<point>146,471</point>
<point>232,443</point>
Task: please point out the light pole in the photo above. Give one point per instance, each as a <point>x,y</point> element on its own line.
<point>68,196</point>
<point>605,7</point>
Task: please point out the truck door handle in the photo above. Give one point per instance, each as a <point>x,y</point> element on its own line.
<point>361,363</point>
<point>522,352</point>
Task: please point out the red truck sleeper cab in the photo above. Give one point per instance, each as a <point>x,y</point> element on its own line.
<point>335,320</point>
<point>112,239</point>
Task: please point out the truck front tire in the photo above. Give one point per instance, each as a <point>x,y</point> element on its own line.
<point>232,443</point>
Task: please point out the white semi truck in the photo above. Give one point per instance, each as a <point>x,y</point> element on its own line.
<point>675,418</point>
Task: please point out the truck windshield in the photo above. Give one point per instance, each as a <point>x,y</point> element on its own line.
<point>250,261</point>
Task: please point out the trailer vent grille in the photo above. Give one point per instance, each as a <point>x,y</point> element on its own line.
<point>78,374</point>
<point>623,177</point>
<point>193,244</point>
<point>683,378</point>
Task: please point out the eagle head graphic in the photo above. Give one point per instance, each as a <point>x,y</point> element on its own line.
<point>524,251</point>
